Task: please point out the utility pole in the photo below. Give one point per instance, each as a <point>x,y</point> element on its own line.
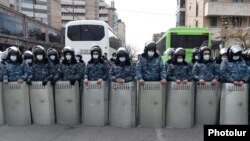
<point>73,6</point>
<point>34,2</point>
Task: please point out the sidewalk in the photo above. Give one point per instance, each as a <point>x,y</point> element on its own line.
<point>92,133</point>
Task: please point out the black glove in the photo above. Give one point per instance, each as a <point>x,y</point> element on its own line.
<point>28,82</point>
<point>72,82</point>
<point>44,83</point>
<point>53,82</point>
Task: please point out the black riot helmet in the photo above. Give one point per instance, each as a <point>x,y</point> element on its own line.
<point>27,55</point>
<point>150,45</point>
<point>121,52</point>
<point>180,52</point>
<point>244,54</point>
<point>96,48</point>
<point>202,49</point>
<point>195,52</point>
<point>234,50</point>
<point>38,50</point>
<point>52,51</point>
<point>14,50</point>
<point>68,49</point>
<point>247,57</point>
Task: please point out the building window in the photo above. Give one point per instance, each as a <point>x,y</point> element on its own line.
<point>36,10</point>
<point>213,0</point>
<point>27,1</point>
<point>85,32</point>
<point>238,1</point>
<point>237,21</point>
<point>213,21</point>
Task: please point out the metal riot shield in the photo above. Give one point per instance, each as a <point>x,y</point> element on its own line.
<point>42,103</point>
<point>67,102</point>
<point>152,104</point>
<point>122,105</point>
<point>16,103</point>
<point>95,104</point>
<point>234,104</point>
<point>180,105</point>
<point>207,104</point>
<point>1,105</point>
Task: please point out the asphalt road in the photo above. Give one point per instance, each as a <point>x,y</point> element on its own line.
<point>93,133</point>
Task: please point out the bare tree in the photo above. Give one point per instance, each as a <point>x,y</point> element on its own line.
<point>235,35</point>
<point>131,50</point>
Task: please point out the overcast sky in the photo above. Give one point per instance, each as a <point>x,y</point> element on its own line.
<point>143,18</point>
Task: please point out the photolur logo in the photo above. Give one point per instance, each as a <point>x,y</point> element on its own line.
<point>226,132</point>
<point>215,132</point>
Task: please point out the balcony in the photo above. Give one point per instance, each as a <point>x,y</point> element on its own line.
<point>103,11</point>
<point>70,2</point>
<point>76,10</point>
<point>102,4</point>
<point>227,9</point>
<point>103,19</point>
<point>67,18</point>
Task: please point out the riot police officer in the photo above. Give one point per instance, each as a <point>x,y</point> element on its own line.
<point>54,62</point>
<point>41,68</point>
<point>170,54</point>
<point>205,69</point>
<point>80,62</point>
<point>97,68</point>
<point>222,55</point>
<point>234,69</point>
<point>15,70</point>
<point>195,57</point>
<point>28,58</point>
<point>69,69</point>
<point>179,71</point>
<point>112,60</point>
<point>122,70</point>
<point>150,66</point>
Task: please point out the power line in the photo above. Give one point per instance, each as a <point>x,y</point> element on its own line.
<point>68,10</point>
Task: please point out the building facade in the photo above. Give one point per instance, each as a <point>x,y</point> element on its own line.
<point>25,32</point>
<point>89,10</point>
<point>47,11</point>
<point>213,14</point>
<point>122,32</point>
<point>72,10</point>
